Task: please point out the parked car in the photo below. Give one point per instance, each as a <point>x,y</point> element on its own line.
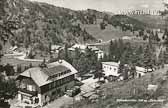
<point>73,92</point>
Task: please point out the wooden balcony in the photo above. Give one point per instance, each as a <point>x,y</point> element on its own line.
<point>25,91</point>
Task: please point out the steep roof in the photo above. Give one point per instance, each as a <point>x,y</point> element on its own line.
<point>55,47</point>
<point>63,63</point>
<point>80,46</point>
<point>54,70</point>
<point>41,75</point>
<point>111,63</point>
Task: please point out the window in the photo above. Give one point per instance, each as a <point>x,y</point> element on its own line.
<point>55,84</point>
<point>23,86</point>
<point>30,87</point>
<point>50,86</point>
<point>67,79</point>
<point>61,81</point>
<point>33,88</point>
<point>58,82</point>
<point>53,93</point>
<point>59,74</point>
<point>56,75</point>
<point>45,97</point>
<point>62,73</point>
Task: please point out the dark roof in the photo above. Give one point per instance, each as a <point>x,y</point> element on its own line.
<point>54,70</point>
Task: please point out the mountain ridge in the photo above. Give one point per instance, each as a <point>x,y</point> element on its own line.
<point>42,24</point>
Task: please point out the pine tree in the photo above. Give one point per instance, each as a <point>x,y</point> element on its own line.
<point>105,58</point>
<point>157,36</point>
<point>50,48</point>
<point>166,56</point>
<point>102,25</point>
<point>122,64</point>
<point>111,51</point>
<point>8,88</point>
<point>67,56</point>
<point>148,58</point>
<point>19,69</point>
<point>76,58</point>
<point>133,71</point>
<point>160,60</point>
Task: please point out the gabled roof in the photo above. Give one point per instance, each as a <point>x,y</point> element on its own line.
<point>63,63</point>
<point>94,48</point>
<point>142,69</point>
<point>111,63</point>
<point>80,46</point>
<point>54,70</point>
<point>41,75</point>
<point>55,47</point>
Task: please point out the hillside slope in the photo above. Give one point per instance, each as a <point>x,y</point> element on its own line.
<point>43,24</point>
<point>116,26</point>
<point>152,21</point>
<point>107,34</point>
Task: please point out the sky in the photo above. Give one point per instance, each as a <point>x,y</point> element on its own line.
<point>107,5</point>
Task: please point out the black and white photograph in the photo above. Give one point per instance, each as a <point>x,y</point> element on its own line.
<point>83,53</point>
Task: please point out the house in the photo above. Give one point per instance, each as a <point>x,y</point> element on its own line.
<point>14,48</point>
<point>40,85</point>
<point>55,48</point>
<point>140,71</point>
<point>98,52</point>
<point>111,69</point>
<point>79,46</point>
<point>126,38</point>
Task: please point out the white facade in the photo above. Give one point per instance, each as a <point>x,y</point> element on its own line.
<point>82,47</point>
<point>100,54</point>
<point>36,84</point>
<point>111,69</point>
<point>55,48</point>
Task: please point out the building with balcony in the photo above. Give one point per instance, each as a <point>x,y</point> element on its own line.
<point>40,85</point>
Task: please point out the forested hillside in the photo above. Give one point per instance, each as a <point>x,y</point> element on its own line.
<point>152,21</point>
<point>41,24</point>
